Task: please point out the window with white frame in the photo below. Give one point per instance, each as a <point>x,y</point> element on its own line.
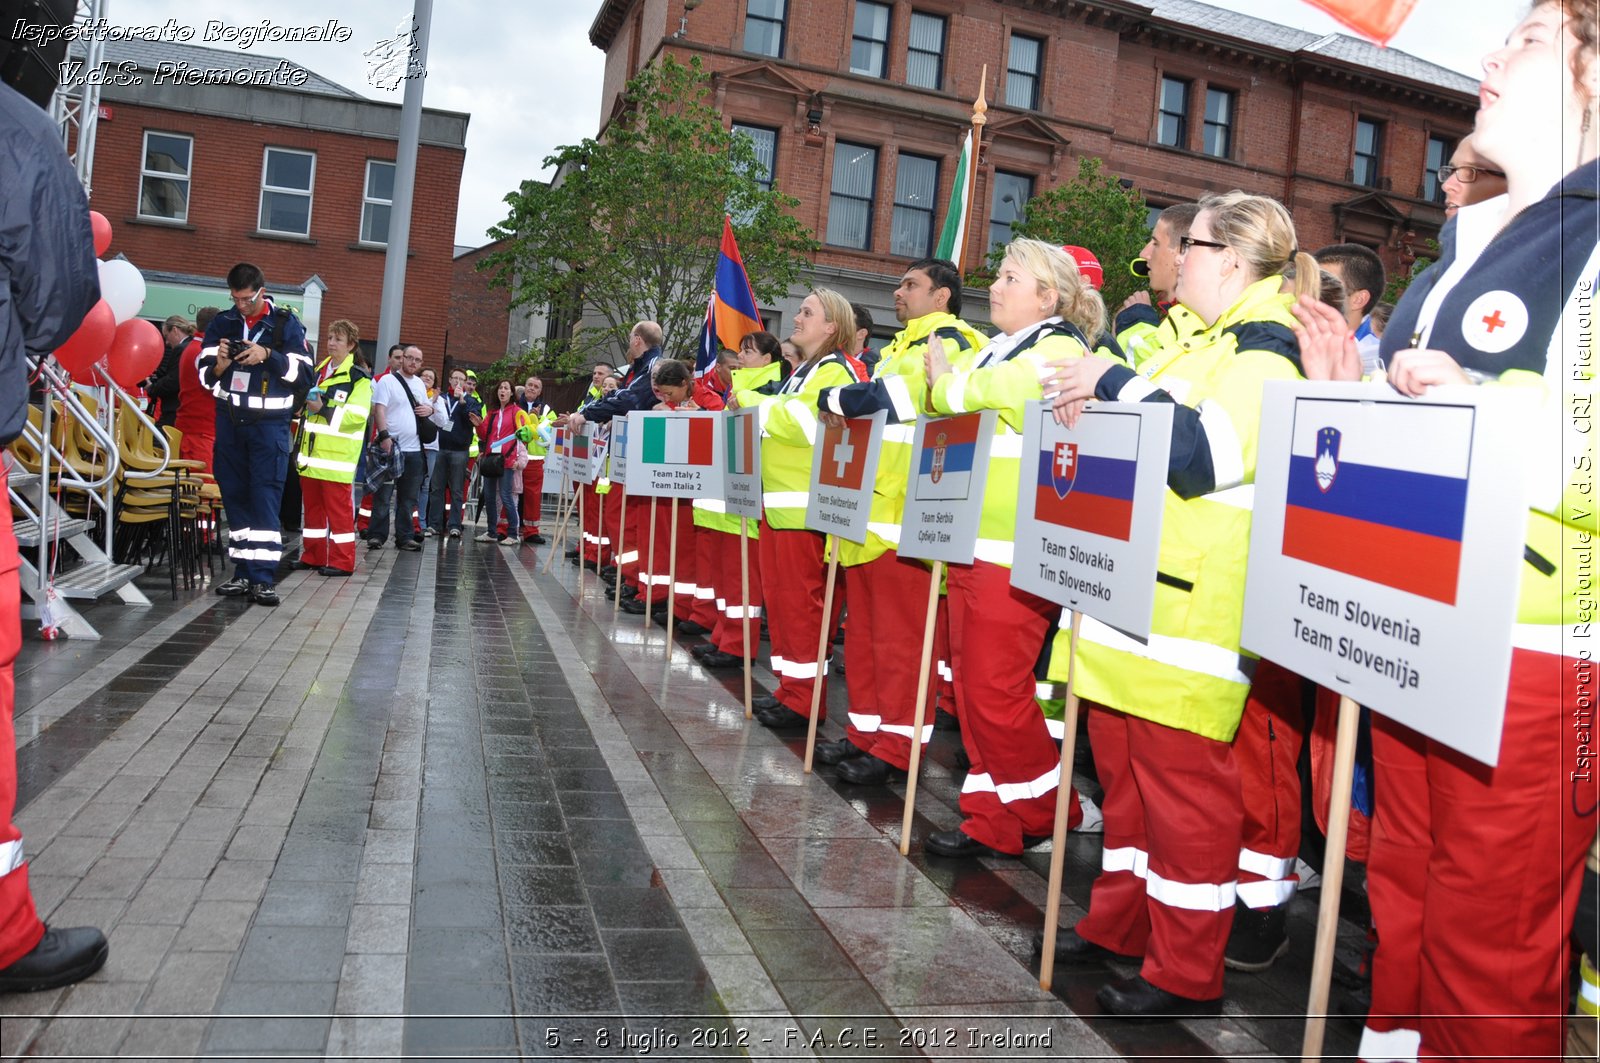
<point>376,199</point>
<point>286,180</point>
<point>164,176</point>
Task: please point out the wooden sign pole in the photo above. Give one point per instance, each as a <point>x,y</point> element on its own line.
<point>1058,854</point>
<point>582,549</point>
<point>622,543</point>
<point>923,681</point>
<point>647,566</point>
<point>1344,761</point>
<point>822,649</point>
<point>672,572</point>
<point>744,602</point>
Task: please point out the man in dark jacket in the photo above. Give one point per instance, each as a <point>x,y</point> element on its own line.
<point>50,283</point>
<point>161,387</point>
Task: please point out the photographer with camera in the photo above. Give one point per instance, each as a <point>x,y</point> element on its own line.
<point>255,362</point>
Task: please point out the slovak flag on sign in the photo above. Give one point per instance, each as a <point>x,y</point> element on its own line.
<point>1088,492</point>
<point>944,467</point>
<point>677,441</point>
<point>741,445</point>
<point>844,454</point>
<point>1391,516</point>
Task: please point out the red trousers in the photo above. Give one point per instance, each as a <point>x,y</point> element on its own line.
<point>794,581</point>
<point>630,520</point>
<point>608,510</point>
<point>329,534</point>
<point>883,643</point>
<point>1474,875</point>
<point>532,495</point>
<point>1166,887</point>
<point>20,928</point>
<point>732,607</point>
<point>682,571</point>
<point>594,548</point>
<point>1010,789</point>
<point>709,546</point>
<point>1267,749</point>
<point>195,446</point>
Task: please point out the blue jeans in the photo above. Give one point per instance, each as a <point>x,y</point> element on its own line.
<point>450,474</point>
<point>429,457</point>
<point>406,488</point>
<point>501,490</point>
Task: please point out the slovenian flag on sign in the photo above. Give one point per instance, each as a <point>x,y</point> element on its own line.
<point>1089,492</point>
<point>944,468</point>
<point>1391,516</point>
<point>844,454</point>
<point>731,313</point>
<point>677,440</point>
<point>741,445</point>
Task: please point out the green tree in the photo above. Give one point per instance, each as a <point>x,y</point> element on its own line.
<point>1092,210</point>
<point>629,228</point>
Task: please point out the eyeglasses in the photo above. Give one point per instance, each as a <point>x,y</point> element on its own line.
<point>1465,174</point>
<point>1187,242</point>
<point>247,300</point>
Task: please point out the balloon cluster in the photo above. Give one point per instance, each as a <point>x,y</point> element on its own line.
<point>127,347</point>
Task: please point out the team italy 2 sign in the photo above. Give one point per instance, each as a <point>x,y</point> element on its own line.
<point>1089,510</point>
<point>674,454</point>
<point>1385,548</point>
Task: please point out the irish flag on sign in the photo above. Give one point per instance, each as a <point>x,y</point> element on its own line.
<point>677,441</point>
<point>741,445</point>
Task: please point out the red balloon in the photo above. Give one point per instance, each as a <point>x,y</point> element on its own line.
<point>86,346</point>
<point>135,352</point>
<point>102,232</point>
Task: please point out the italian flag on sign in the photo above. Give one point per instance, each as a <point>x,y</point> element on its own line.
<point>677,441</point>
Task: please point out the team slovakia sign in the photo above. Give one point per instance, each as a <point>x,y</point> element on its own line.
<point>843,466</point>
<point>741,478</point>
<point>944,493</point>
<point>675,454</point>
<point>1089,511</point>
<point>1386,550</point>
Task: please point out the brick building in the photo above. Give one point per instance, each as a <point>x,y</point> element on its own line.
<point>291,171</point>
<point>857,109</point>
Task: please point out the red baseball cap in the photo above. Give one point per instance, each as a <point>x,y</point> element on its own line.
<point>1088,265</point>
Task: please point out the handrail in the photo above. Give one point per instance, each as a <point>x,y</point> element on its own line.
<point>156,433</point>
<point>61,390</point>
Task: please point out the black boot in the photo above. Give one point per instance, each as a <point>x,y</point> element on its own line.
<point>63,956</point>
<point>1258,938</point>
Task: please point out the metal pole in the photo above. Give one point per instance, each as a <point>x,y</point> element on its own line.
<point>405,179</point>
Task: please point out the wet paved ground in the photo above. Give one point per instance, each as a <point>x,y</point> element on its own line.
<point>450,809</point>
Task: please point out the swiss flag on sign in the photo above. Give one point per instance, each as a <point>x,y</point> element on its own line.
<point>844,454</point>
<point>1378,20</point>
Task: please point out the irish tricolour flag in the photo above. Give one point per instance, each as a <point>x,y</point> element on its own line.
<point>677,441</point>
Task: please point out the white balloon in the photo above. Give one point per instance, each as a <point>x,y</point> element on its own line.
<point>122,287</point>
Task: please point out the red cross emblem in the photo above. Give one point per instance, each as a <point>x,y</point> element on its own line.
<point>1494,321</point>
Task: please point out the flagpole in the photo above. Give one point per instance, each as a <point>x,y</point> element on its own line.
<point>980,110</point>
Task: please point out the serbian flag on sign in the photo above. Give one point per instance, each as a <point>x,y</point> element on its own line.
<point>741,445</point>
<point>844,455</point>
<point>944,468</point>
<point>1378,20</point>
<point>731,312</point>
<point>1090,492</point>
<point>1389,515</point>
<point>677,441</point>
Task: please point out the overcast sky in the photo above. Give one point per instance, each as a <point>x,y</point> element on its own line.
<point>529,77</point>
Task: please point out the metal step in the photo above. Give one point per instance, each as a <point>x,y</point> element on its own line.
<point>27,530</point>
<point>17,479</point>
<point>93,580</point>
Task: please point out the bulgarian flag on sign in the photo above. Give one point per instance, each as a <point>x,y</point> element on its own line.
<point>678,441</point>
<point>1377,19</point>
<point>953,237</point>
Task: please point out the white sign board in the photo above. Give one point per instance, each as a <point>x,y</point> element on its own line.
<point>621,430</point>
<point>674,454</point>
<point>741,480</point>
<point>944,489</point>
<point>1386,550</point>
<point>844,464</point>
<point>599,450</point>
<point>581,447</point>
<point>555,457</point>
<point>1089,510</point>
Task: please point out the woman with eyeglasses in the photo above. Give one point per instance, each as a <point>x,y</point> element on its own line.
<point>1469,178</point>
<point>1474,870</point>
<point>1163,713</point>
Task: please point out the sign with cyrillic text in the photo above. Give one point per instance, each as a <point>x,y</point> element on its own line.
<point>1089,510</point>
<point>674,454</point>
<point>844,464</point>
<point>741,477</point>
<point>1386,549</point>
<point>944,489</point>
